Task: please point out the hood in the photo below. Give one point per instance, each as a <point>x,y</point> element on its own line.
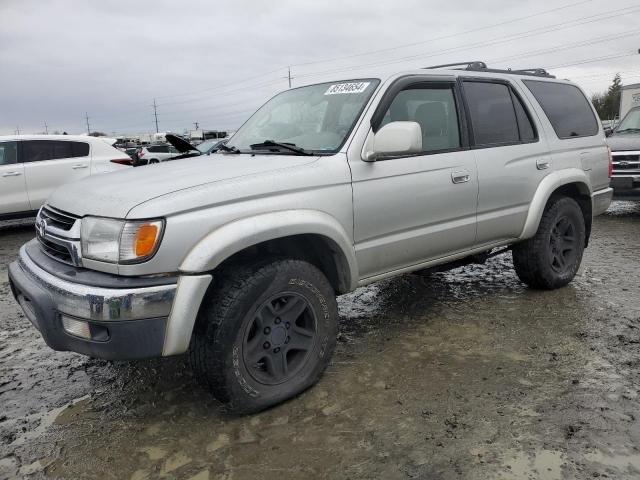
<point>115,194</point>
<point>179,143</point>
<point>624,141</point>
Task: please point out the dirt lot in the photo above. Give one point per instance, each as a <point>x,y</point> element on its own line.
<point>464,375</point>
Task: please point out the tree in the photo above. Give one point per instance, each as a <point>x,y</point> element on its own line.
<point>608,103</point>
<point>98,134</point>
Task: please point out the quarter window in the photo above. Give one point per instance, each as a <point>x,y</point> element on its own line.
<point>8,153</point>
<point>566,107</point>
<point>433,107</point>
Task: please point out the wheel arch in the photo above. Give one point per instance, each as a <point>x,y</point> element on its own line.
<point>571,183</point>
<point>308,235</point>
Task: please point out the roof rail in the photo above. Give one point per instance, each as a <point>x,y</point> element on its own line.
<point>478,66</point>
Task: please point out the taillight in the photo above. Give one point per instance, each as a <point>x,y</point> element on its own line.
<point>123,161</point>
<point>140,154</point>
<point>610,163</point>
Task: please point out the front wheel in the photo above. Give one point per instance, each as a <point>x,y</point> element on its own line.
<point>265,333</point>
<point>552,257</point>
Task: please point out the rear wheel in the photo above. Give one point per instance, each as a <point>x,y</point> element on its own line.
<point>153,160</point>
<point>552,257</point>
<point>265,334</point>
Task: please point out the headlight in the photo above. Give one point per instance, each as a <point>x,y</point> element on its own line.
<point>119,241</point>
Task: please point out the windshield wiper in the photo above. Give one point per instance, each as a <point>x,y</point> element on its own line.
<point>228,149</point>
<point>286,146</point>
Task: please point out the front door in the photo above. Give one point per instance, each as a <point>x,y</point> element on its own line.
<point>412,209</point>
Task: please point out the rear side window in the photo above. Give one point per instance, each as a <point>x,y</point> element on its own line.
<point>493,116</point>
<point>566,108</point>
<point>40,150</point>
<point>8,153</point>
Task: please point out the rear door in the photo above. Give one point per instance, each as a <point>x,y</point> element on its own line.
<point>13,189</point>
<point>51,163</point>
<point>511,156</point>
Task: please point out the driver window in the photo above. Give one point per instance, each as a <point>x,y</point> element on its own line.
<point>433,107</point>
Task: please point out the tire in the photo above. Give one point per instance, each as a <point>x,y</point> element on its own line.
<point>257,321</point>
<point>552,257</point>
<point>153,160</point>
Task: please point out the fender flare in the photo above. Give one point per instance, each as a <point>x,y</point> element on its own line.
<point>235,236</point>
<point>547,186</point>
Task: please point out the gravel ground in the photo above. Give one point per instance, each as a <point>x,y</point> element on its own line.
<point>462,375</point>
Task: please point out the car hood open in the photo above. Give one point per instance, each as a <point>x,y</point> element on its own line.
<point>115,194</point>
<point>180,143</point>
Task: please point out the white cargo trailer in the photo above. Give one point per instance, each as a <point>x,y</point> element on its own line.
<point>629,98</point>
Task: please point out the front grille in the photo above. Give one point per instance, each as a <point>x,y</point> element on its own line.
<point>57,236</point>
<point>56,218</point>
<point>56,251</point>
<point>626,164</point>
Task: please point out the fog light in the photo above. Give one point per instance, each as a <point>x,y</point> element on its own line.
<point>77,328</point>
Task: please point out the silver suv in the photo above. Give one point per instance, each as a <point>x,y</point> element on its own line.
<point>237,258</point>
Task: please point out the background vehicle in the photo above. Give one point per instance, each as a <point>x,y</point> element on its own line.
<point>625,151</point>
<point>325,188</point>
<point>33,166</point>
<point>188,150</point>
<point>155,154</point>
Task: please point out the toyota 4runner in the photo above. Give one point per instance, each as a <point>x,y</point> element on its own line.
<point>237,258</point>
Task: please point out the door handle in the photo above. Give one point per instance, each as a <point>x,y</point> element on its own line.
<point>460,176</point>
<point>11,174</point>
<point>543,163</point>
<point>79,166</point>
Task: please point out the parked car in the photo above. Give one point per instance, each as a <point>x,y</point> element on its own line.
<point>187,149</point>
<point>33,166</point>
<point>325,188</point>
<point>624,142</point>
<point>155,154</point>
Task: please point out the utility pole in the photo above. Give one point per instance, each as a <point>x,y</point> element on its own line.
<point>46,128</point>
<point>18,130</point>
<point>196,124</point>
<point>155,114</point>
<point>289,76</point>
<point>86,116</point>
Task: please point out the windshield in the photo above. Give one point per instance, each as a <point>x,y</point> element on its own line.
<point>315,118</point>
<point>205,146</point>
<point>631,122</point>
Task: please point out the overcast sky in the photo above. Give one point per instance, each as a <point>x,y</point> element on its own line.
<point>215,62</point>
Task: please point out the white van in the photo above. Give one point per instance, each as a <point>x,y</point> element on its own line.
<point>33,166</point>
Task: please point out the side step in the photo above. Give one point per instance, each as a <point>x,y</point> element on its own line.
<point>476,259</point>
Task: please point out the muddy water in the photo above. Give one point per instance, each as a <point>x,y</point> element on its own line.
<point>461,375</point>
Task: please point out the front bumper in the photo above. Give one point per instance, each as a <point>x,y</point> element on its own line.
<point>127,319</point>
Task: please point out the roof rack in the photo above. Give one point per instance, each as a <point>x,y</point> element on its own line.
<point>478,66</point>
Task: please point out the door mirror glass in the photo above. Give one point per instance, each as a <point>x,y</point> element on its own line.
<point>395,138</point>
<point>608,132</point>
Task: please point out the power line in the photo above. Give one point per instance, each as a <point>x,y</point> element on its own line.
<point>444,37</point>
<point>371,52</point>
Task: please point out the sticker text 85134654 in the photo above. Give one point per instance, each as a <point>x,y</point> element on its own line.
<point>352,87</point>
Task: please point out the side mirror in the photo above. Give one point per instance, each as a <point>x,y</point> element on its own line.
<point>608,132</point>
<point>395,138</point>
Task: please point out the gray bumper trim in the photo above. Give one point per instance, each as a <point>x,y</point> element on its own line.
<point>600,200</point>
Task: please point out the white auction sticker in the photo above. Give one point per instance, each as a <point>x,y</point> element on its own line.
<point>354,87</point>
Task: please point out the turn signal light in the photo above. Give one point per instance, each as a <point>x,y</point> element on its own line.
<point>610,162</point>
<point>145,241</point>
